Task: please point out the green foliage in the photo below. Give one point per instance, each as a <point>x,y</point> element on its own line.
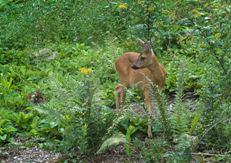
<point>7,129</point>
<point>162,108</point>
<point>195,122</point>
<point>65,51</point>
<point>182,151</point>
<point>180,117</point>
<point>153,150</point>
<point>112,141</point>
<point>131,130</point>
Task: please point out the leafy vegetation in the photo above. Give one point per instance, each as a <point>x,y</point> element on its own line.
<point>57,77</point>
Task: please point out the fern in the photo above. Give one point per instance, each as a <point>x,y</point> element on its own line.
<point>161,104</point>
<point>183,149</point>
<point>131,130</point>
<point>179,111</point>
<point>179,120</point>
<point>195,122</point>
<point>114,140</point>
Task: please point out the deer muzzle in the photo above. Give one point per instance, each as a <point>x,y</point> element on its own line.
<point>134,67</point>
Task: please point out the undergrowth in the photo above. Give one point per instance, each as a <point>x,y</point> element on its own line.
<point>57,78</point>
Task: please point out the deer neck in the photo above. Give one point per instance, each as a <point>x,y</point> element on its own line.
<point>156,69</point>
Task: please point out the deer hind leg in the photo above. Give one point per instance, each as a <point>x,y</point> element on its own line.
<point>148,104</point>
<point>120,96</point>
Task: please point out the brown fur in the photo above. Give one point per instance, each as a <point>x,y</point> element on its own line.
<point>147,69</point>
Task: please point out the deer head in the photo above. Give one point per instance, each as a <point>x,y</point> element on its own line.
<point>145,58</point>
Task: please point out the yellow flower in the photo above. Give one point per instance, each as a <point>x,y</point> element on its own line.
<point>123,6</point>
<point>85,71</point>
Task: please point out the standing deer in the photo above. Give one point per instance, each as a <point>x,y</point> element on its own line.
<point>139,70</point>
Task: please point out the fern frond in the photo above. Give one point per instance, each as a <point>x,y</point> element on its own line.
<point>195,122</point>
<point>114,140</point>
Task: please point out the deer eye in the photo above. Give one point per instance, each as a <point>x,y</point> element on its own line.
<point>142,58</point>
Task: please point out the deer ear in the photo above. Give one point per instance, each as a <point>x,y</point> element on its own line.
<point>147,47</point>
<point>141,42</point>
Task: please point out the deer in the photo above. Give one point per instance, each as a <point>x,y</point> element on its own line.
<point>139,70</point>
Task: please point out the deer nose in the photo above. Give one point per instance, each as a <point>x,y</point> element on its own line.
<point>134,66</point>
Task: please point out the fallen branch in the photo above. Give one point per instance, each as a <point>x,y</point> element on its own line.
<point>209,154</point>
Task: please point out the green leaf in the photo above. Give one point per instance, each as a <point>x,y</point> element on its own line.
<point>112,141</point>
<point>195,121</point>
<point>131,130</point>
<point>3,138</point>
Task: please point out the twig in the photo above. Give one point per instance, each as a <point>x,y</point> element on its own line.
<point>208,154</point>
<point>206,131</point>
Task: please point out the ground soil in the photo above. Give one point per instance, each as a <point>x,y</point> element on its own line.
<point>25,154</point>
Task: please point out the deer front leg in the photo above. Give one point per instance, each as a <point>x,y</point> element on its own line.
<point>148,104</point>
<point>120,96</point>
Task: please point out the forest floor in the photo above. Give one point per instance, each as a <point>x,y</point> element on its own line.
<point>23,154</point>
<point>37,155</point>
<point>27,154</point>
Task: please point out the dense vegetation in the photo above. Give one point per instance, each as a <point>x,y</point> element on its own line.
<point>57,77</point>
